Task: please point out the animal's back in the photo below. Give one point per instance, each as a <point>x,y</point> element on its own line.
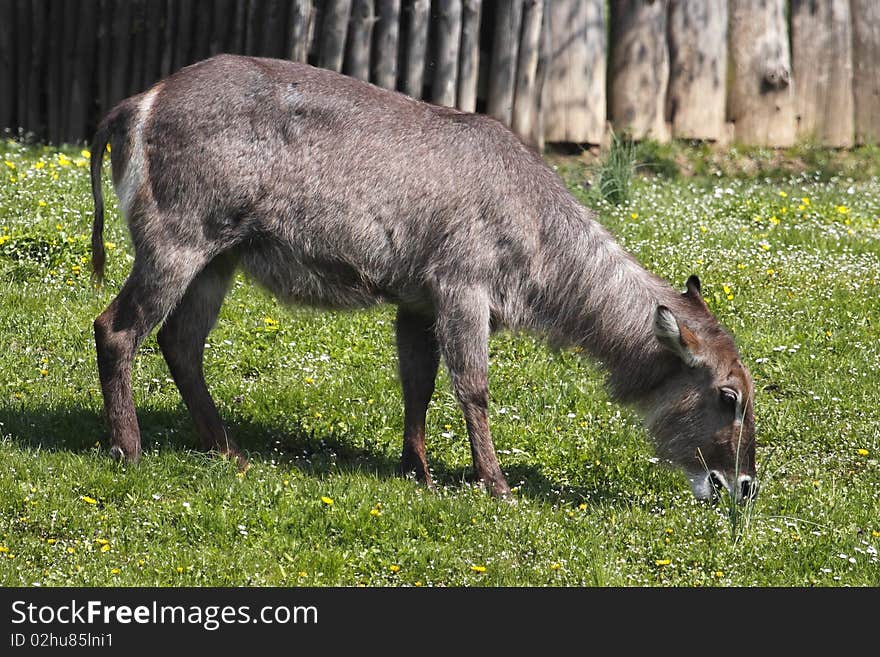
<point>347,193</point>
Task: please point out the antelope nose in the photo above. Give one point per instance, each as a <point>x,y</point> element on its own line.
<point>748,488</point>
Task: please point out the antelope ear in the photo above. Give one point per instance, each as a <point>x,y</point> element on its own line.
<point>694,289</point>
<point>676,337</point>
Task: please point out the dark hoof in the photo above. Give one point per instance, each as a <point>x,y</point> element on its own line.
<point>120,456</point>
<point>411,465</point>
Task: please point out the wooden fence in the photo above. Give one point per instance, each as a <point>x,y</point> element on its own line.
<point>763,72</point>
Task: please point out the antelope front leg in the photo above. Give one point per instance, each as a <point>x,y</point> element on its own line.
<point>463,334</point>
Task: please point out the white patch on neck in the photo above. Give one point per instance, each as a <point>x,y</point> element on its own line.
<point>136,167</point>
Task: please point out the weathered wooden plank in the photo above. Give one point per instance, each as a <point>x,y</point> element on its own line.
<point>696,101</point>
<point>469,54</point>
<point>357,45</point>
<point>155,18</point>
<point>821,52</point>
<point>386,36</point>
<point>866,70</point>
<point>761,101</point>
<point>23,50</point>
<point>448,41</point>
<point>8,73</point>
<point>525,105</point>
<point>502,66</point>
<point>574,92</point>
<point>183,40</point>
<point>81,109</point>
<point>417,15</point>
<point>639,68</point>
<point>334,28</point>
<point>36,103</point>
<point>121,52</point>
<point>135,82</point>
<point>301,17</point>
<point>51,92</point>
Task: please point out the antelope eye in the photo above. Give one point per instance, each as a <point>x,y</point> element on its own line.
<point>728,398</point>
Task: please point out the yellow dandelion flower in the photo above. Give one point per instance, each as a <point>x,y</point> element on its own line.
<point>309,380</point>
<point>114,571</point>
<point>805,200</point>
<point>302,573</point>
<point>40,165</point>
<point>86,154</point>
<point>3,548</point>
<point>478,569</point>
<point>11,165</point>
<point>88,500</point>
<point>63,160</point>
<point>663,562</point>
<point>634,215</point>
<point>783,194</point>
<point>555,566</point>
<point>179,569</point>
<point>774,220</point>
<point>875,533</point>
<point>719,573</point>
<point>327,500</point>
<point>394,568</point>
<point>105,548</point>
<point>669,530</point>
<point>802,207</point>
<point>42,203</point>
<point>862,452</point>
<point>582,506</point>
<point>44,372</point>
<point>71,549</point>
<point>419,583</point>
<point>375,512</point>
<point>102,541</point>
<point>771,272</point>
<point>842,209</point>
<point>703,229</point>
<point>109,245</point>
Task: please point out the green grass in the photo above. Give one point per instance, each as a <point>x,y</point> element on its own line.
<point>313,397</point>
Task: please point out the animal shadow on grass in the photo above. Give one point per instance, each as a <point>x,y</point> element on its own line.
<point>80,429</point>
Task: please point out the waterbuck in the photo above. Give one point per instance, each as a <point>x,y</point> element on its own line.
<point>335,193</point>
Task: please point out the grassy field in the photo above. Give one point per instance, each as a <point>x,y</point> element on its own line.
<point>790,262</point>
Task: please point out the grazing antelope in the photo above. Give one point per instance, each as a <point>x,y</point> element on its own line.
<point>334,193</point>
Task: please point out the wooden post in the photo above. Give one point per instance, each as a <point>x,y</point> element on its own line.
<point>821,52</point>
<point>201,18</point>
<point>866,70</point>
<point>135,81</point>
<point>574,93</point>
<point>81,110</point>
<point>23,50</point>
<point>696,99</point>
<point>103,64</point>
<point>761,101</point>
<point>8,86</point>
<point>639,68</point>
<point>469,55</point>
<point>273,41</point>
<point>52,82</point>
<point>505,47</point>
<point>416,47</point>
<point>183,34</point>
<point>300,20</point>
<point>357,47</point>
<point>155,16</point>
<point>448,32</point>
<point>385,39</point>
<point>525,107</point>
<point>334,27</point>
<point>39,29</point>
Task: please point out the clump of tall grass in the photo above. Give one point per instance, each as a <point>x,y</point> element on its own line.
<point>615,171</point>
